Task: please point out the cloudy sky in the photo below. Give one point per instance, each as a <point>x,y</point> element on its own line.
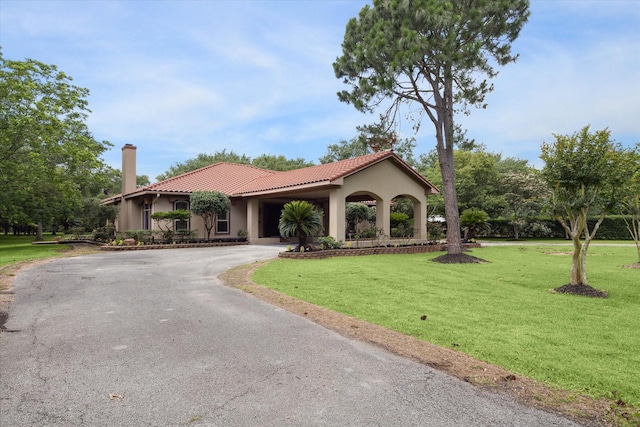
<point>179,78</point>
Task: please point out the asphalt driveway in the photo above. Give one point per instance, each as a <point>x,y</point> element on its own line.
<point>152,338</point>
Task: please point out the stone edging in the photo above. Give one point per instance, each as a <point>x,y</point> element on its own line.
<point>170,246</point>
<point>382,250</point>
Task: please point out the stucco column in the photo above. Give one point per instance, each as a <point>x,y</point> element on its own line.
<point>420,219</point>
<point>336,214</point>
<point>253,220</point>
<point>125,215</point>
<point>383,213</point>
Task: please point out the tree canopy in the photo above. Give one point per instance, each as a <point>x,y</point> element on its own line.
<point>370,139</point>
<point>435,53</point>
<point>264,161</point>
<point>47,153</point>
<point>209,205</point>
<point>481,180</point>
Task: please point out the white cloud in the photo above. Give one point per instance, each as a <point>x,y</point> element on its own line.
<point>178,78</point>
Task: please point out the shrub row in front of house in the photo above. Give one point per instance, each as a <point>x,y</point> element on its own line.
<point>210,243</point>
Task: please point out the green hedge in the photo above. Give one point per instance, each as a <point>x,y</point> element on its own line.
<point>612,228</point>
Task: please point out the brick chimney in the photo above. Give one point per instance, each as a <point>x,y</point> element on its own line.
<point>128,169</point>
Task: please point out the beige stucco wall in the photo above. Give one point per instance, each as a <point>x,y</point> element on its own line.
<point>163,203</point>
<point>237,217</point>
<point>384,181</point>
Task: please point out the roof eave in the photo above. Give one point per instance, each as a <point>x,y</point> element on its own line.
<point>288,189</point>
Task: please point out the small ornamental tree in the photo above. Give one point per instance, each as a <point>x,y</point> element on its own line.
<point>355,213</point>
<point>302,219</point>
<point>209,205</point>
<point>585,175</point>
<point>165,220</point>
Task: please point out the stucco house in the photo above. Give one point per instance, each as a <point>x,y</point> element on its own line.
<point>258,195</point>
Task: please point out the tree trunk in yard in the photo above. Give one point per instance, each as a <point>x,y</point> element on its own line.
<point>577,263</point>
<point>39,237</point>
<point>588,236</point>
<point>445,158</point>
<point>574,229</point>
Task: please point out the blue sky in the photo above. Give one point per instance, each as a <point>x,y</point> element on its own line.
<point>179,78</point>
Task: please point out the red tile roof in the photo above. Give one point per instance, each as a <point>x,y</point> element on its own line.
<point>320,174</point>
<point>222,177</point>
<point>243,180</point>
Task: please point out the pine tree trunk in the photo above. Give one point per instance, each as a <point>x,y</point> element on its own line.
<point>444,146</point>
<point>451,213</point>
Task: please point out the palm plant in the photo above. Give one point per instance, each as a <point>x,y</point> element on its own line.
<point>300,218</point>
<point>474,220</point>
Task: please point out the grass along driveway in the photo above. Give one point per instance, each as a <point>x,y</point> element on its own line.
<point>14,249</point>
<point>501,312</point>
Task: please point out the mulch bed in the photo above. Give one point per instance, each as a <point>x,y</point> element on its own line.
<point>583,290</point>
<point>458,259</point>
<point>169,246</point>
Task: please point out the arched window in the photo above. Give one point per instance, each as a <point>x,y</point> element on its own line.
<point>178,224</point>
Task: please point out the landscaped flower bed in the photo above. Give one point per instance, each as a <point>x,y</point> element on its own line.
<point>171,246</point>
<point>378,250</point>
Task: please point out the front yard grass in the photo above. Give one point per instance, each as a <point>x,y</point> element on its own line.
<point>501,312</point>
<point>14,249</point>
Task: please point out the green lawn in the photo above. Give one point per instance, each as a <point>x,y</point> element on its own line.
<point>501,312</point>
<point>19,248</point>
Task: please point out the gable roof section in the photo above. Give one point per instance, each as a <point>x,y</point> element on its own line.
<point>325,174</point>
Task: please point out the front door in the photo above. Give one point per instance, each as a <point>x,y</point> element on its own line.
<point>272,213</point>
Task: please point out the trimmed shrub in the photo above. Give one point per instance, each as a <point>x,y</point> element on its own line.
<point>328,242</point>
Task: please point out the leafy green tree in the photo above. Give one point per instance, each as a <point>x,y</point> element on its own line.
<point>279,163</point>
<point>523,194</point>
<point>344,150</point>
<point>264,161</point>
<point>209,205</point>
<point>370,139</point>
<point>585,176</point>
<point>95,214</point>
<point>355,213</point>
<point>480,179</point>
<point>433,53</point>
<point>46,149</point>
<point>114,185</point>
<point>300,218</point>
<point>203,160</point>
<point>474,220</point>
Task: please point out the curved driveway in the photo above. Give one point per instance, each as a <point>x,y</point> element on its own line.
<point>152,338</point>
